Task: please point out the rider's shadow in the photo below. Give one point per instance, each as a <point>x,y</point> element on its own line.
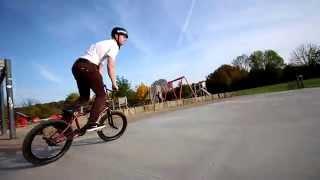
<point>87,141</point>
<point>12,159</point>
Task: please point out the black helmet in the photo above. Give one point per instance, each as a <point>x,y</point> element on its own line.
<point>119,30</point>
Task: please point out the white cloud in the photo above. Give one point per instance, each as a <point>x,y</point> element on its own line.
<point>196,60</point>
<point>47,73</point>
<point>167,38</point>
<point>217,36</point>
<point>260,15</point>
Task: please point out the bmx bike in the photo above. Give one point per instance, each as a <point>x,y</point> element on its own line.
<point>51,139</point>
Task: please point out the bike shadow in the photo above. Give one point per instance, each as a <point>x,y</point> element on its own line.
<point>11,157</point>
<point>88,141</point>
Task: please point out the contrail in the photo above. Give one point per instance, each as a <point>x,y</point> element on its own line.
<point>45,72</point>
<point>186,23</point>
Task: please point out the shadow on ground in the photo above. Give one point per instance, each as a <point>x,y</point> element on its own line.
<point>11,157</point>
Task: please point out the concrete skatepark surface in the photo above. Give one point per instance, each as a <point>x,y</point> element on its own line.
<point>269,136</point>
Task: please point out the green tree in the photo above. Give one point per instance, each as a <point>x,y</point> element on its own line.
<point>29,102</point>
<point>186,91</point>
<point>125,90</point>
<point>266,67</point>
<point>225,78</point>
<point>243,62</point>
<point>124,87</point>
<point>131,96</point>
<point>306,54</point>
<point>70,100</point>
<point>270,59</point>
<point>72,97</point>
<point>34,111</point>
<point>47,110</point>
<point>42,110</point>
<point>273,60</point>
<point>256,60</point>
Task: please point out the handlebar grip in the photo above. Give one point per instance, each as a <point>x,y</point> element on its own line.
<point>105,87</point>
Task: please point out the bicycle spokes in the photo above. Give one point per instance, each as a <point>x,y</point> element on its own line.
<point>48,143</point>
<point>111,123</point>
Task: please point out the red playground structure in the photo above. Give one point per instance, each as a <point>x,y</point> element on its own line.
<point>180,81</point>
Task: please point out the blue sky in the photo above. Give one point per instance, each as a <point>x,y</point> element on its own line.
<point>167,38</point>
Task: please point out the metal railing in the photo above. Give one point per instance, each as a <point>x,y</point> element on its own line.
<point>6,109</point>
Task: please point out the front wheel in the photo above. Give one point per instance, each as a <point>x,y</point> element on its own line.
<point>47,142</point>
<point>115,124</point>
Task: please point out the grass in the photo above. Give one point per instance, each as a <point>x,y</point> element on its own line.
<point>310,83</point>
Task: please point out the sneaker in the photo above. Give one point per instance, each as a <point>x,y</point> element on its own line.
<point>88,127</point>
<point>91,126</point>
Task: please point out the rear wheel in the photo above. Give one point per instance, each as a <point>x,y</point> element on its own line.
<point>47,142</point>
<point>115,125</point>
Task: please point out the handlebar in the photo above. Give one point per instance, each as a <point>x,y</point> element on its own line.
<point>105,87</point>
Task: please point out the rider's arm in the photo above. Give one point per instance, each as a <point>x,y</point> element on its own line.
<point>111,70</point>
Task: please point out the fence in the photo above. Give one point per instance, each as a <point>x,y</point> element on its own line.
<point>174,104</point>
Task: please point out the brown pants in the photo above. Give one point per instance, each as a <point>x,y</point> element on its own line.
<point>88,77</point>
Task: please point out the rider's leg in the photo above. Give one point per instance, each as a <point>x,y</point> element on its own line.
<point>84,92</point>
<point>98,88</point>
<point>81,72</point>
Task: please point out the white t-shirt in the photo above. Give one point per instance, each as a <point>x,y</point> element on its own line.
<point>101,50</point>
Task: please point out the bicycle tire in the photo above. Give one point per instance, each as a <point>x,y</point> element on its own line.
<point>37,130</point>
<point>102,121</point>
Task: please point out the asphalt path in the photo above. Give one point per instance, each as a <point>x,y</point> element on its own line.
<point>269,136</point>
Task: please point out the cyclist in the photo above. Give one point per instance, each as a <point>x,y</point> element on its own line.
<point>87,71</point>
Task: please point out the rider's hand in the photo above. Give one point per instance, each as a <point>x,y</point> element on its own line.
<point>115,87</point>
